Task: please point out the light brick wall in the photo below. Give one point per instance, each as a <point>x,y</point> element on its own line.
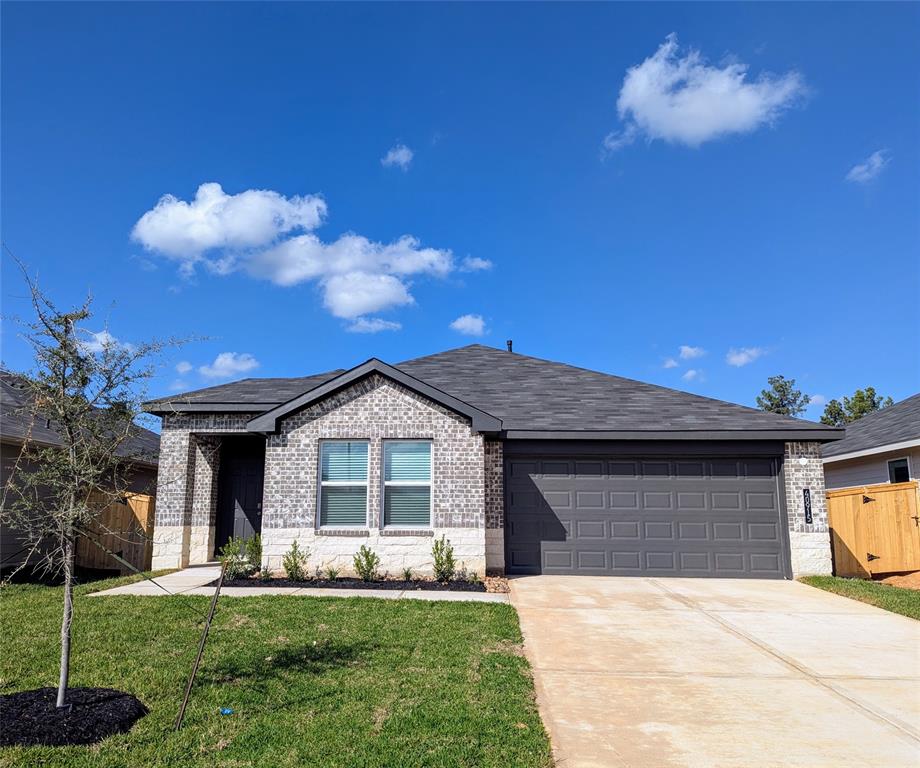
<point>810,544</point>
<point>495,506</point>
<point>183,531</point>
<point>375,409</point>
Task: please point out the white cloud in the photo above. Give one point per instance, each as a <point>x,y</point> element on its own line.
<point>372,325</point>
<point>359,293</point>
<point>691,353</point>
<point>474,264</point>
<point>229,364</point>
<point>693,374</point>
<point>95,342</point>
<point>670,362</point>
<point>274,241</point>
<point>685,100</point>
<point>870,168</point>
<point>470,325</point>
<point>215,220</point>
<point>744,355</point>
<point>183,367</point>
<point>400,156</point>
<point>817,401</point>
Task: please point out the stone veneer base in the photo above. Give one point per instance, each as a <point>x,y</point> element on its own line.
<point>396,552</point>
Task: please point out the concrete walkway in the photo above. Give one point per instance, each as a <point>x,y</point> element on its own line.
<point>716,672</point>
<point>192,581</point>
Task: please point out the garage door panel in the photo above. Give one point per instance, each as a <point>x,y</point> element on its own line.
<point>662,516</point>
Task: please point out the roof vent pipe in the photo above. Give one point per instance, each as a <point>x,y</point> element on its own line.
<point>509,342</point>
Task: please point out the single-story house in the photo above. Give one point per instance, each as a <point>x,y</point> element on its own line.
<point>525,465</point>
<point>882,447</point>
<point>19,424</point>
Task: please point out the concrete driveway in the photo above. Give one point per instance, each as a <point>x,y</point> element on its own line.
<point>717,672</point>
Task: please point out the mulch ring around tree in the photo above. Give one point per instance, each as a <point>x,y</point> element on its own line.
<point>30,718</point>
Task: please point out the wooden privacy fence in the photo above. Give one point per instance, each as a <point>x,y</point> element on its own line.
<point>875,529</point>
<point>124,527</point>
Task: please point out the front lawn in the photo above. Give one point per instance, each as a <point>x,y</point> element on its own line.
<point>894,599</point>
<point>311,681</point>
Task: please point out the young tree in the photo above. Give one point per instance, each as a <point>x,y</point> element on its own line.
<point>863,402</point>
<point>782,397</point>
<point>87,390</point>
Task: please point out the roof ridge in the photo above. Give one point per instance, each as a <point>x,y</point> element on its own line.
<point>638,382</point>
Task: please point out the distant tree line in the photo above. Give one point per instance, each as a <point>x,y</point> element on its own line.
<point>783,398</point>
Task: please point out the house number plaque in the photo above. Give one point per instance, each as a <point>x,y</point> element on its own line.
<point>806,495</point>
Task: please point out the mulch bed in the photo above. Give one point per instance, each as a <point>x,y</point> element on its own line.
<point>30,718</point>
<point>346,583</point>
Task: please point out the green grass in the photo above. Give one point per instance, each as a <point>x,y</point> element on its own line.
<point>894,599</point>
<point>312,681</point>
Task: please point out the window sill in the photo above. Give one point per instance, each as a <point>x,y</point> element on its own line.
<point>342,532</point>
<point>406,532</point>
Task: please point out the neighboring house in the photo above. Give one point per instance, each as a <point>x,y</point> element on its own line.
<point>525,465</point>
<point>883,447</point>
<point>17,425</point>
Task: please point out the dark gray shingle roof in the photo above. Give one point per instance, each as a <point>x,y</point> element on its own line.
<point>17,422</point>
<point>530,394</point>
<point>896,424</point>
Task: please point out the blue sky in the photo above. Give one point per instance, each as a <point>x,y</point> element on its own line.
<point>607,184</point>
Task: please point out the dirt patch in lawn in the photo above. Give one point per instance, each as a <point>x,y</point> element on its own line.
<point>903,580</point>
<point>30,718</point>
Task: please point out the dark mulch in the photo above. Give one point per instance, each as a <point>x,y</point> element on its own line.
<point>433,586</point>
<point>30,718</point>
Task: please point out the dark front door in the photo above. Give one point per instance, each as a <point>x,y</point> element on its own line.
<point>239,499</point>
<point>645,516</point>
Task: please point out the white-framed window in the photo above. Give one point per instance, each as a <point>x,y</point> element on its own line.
<point>899,470</point>
<point>343,484</point>
<point>407,484</point>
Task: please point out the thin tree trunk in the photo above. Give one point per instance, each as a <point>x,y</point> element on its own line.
<point>68,618</point>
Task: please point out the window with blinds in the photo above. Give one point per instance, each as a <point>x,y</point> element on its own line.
<point>343,484</point>
<point>407,484</point>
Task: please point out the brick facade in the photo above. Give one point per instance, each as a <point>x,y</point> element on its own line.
<point>810,543</point>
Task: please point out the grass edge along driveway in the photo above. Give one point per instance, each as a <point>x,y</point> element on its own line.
<point>895,599</point>
<point>312,681</point>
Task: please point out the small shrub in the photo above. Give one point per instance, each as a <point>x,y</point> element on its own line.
<point>366,563</point>
<point>332,573</point>
<point>295,563</point>
<point>266,573</point>
<point>444,563</point>
<point>473,578</point>
<point>233,556</point>
<point>254,551</point>
<point>407,574</point>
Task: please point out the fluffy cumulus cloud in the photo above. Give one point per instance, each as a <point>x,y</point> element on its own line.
<point>215,220</point>
<point>270,237</point>
<point>744,355</point>
<point>691,353</point>
<point>227,365</point>
<point>469,325</point>
<point>870,168</point>
<point>670,362</point>
<point>183,367</point>
<point>693,374</point>
<point>399,156</point>
<point>680,98</point>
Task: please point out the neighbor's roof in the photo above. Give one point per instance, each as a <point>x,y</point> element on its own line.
<point>886,429</point>
<point>17,423</point>
<point>533,397</point>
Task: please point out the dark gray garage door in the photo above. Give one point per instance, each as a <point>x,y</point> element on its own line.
<point>651,516</point>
